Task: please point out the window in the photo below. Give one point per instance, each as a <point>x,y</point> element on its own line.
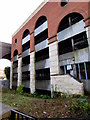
<point>15,41</point>
<point>64,2</point>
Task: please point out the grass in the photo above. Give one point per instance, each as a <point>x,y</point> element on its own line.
<point>40,108</point>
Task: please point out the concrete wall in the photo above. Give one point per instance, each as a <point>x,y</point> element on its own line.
<point>67,85</point>
<point>43,85</point>
<point>79,55</point>
<point>54,58</point>
<point>4,83</point>
<point>26,83</point>
<point>86,85</point>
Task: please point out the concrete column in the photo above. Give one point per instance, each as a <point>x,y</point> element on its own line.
<point>32,72</point>
<point>87,82</point>
<point>74,71</point>
<point>54,62</point>
<point>79,72</point>
<point>85,70</point>
<point>88,37</point>
<point>11,74</point>
<point>19,71</point>
<point>54,58</point>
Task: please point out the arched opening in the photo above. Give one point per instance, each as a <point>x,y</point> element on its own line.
<point>26,60</point>
<point>69,20</point>
<point>40,21</point>
<point>15,69</point>
<point>42,66</point>
<point>72,42</point>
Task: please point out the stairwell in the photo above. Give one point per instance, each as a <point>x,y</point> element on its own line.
<point>66,84</point>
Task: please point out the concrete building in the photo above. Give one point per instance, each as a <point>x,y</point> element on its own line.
<point>50,51</point>
<point>5,50</point>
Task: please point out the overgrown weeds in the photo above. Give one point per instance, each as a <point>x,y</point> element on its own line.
<point>41,106</point>
<point>81,107</point>
<point>20,89</point>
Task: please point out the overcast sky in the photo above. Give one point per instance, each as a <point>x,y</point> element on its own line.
<point>12,14</point>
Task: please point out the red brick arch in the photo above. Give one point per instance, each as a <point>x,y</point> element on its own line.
<point>60,12</point>
<point>14,51</point>
<point>74,11</point>
<point>24,32</point>
<point>54,14</point>
<point>17,46</point>
<point>38,19</point>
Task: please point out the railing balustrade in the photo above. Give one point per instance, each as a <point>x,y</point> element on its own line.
<point>16,115</point>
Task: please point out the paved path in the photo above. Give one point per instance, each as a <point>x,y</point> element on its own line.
<point>5,110</point>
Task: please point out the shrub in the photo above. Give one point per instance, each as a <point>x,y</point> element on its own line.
<point>81,106</point>
<point>7,72</point>
<point>20,89</point>
<point>34,94</point>
<point>45,96</point>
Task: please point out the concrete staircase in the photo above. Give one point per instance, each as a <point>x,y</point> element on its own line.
<point>66,84</point>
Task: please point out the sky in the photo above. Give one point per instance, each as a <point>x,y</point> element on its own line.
<point>4,63</point>
<point>12,14</point>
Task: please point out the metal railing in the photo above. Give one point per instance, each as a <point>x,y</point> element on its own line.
<point>16,115</point>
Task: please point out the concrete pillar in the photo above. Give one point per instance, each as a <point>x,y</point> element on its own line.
<point>88,37</point>
<point>19,71</point>
<point>54,58</point>
<point>87,83</point>
<point>32,72</point>
<point>11,74</point>
<point>74,71</point>
<point>54,62</point>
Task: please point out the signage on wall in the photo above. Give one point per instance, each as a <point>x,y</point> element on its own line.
<point>69,67</point>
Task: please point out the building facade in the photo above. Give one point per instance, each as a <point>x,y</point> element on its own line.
<point>50,51</point>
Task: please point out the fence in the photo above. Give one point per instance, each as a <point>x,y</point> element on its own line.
<point>16,115</point>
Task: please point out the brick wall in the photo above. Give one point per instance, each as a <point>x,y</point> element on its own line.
<point>54,14</point>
